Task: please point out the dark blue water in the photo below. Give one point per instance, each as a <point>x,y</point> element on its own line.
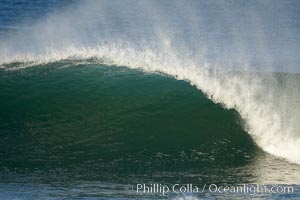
<point>17,13</point>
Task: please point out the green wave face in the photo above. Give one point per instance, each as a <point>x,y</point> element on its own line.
<point>115,120</point>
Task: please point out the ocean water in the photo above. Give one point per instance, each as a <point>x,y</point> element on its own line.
<point>100,97</point>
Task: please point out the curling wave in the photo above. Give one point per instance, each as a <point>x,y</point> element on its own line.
<point>268,102</point>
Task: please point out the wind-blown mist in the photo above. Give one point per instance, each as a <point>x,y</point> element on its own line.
<point>231,50</point>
